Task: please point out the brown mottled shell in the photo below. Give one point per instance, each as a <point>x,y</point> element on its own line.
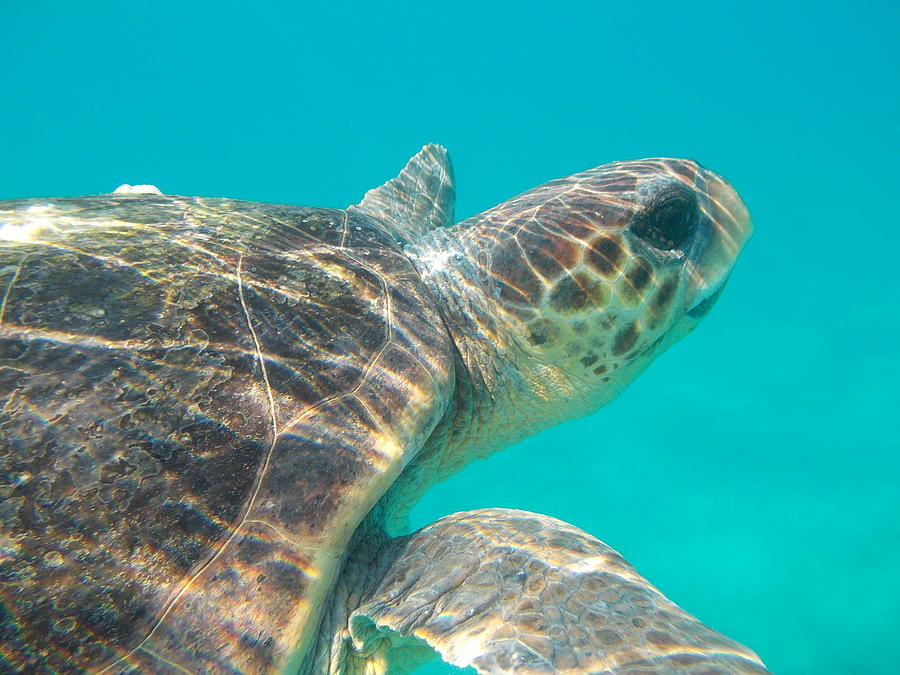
<point>199,400</point>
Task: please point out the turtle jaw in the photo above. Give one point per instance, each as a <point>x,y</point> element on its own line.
<point>728,227</point>
<point>704,303</point>
<point>558,298</point>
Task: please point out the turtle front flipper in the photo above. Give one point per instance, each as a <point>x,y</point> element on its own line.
<point>510,591</point>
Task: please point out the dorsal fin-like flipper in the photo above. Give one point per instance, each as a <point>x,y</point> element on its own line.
<point>419,199</point>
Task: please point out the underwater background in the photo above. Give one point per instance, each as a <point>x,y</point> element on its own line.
<point>753,473</point>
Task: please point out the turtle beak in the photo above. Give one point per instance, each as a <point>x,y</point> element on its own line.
<point>729,229</point>
<point>701,307</point>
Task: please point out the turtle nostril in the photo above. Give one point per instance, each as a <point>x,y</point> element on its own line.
<point>667,215</point>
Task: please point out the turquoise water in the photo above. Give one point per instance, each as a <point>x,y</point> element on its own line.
<point>753,472</point>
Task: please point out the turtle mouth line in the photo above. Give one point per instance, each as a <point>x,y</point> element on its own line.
<point>706,302</point>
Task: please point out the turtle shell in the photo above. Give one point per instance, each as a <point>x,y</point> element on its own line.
<point>199,401</point>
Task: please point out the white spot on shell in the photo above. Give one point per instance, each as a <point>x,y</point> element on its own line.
<point>127,189</point>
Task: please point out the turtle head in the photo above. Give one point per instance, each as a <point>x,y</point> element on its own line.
<point>586,279</point>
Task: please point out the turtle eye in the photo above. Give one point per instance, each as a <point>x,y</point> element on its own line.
<point>667,215</point>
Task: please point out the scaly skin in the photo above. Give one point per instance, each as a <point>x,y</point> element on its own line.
<point>555,300</point>
<point>512,591</point>
<point>555,303</point>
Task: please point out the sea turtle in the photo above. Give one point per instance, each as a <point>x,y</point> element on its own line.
<point>216,413</point>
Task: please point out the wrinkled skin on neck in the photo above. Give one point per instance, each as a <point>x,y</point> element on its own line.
<point>555,300</point>
<point>561,296</point>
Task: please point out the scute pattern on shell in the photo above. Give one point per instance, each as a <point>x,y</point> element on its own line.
<point>199,398</point>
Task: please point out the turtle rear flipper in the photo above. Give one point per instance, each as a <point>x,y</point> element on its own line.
<point>420,198</point>
<point>510,591</point>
